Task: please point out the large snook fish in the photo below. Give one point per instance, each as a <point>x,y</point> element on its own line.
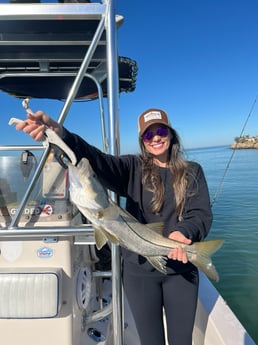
<point>112,223</point>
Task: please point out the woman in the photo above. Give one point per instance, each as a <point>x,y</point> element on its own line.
<point>159,186</point>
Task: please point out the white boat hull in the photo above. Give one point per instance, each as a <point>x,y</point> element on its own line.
<point>215,323</point>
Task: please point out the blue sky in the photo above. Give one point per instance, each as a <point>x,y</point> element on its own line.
<point>198,60</point>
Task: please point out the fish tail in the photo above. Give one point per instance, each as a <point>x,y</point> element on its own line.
<point>201,257</point>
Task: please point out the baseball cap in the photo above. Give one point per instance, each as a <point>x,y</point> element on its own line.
<point>151,116</point>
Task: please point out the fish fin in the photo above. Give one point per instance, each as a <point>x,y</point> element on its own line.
<point>158,262</point>
<point>201,257</point>
<point>102,236</point>
<point>112,238</point>
<point>157,227</point>
<point>111,212</point>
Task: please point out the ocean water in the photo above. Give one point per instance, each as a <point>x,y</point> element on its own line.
<point>233,185</point>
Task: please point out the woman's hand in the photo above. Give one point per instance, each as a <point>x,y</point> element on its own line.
<point>178,253</point>
<point>35,125</point>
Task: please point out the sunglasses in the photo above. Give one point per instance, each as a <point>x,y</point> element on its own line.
<point>160,131</point>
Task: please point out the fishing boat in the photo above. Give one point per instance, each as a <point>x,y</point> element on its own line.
<point>55,287</point>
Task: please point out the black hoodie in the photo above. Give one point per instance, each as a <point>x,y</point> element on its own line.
<point>122,175</point>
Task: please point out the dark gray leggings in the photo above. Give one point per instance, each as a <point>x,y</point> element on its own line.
<point>147,294</point>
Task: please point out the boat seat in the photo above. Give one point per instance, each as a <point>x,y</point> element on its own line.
<point>29,293</point>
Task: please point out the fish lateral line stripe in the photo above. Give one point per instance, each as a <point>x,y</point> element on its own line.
<point>137,234</point>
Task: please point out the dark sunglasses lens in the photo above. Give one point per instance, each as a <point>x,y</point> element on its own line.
<point>162,131</point>
<point>148,135</point>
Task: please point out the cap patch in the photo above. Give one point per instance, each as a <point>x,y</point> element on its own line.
<point>152,115</point>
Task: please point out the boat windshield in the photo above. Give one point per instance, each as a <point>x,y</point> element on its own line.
<point>49,200</point>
